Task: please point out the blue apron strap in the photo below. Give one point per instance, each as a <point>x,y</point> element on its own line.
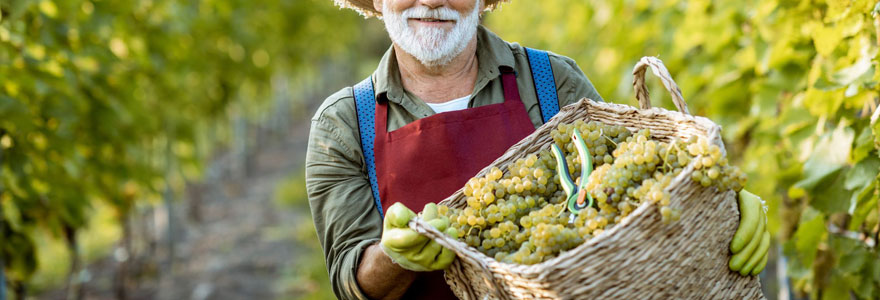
<point>545,84</point>
<point>365,103</point>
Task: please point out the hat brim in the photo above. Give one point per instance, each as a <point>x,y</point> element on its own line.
<point>365,7</point>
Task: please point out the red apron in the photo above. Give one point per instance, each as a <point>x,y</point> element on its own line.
<point>431,158</point>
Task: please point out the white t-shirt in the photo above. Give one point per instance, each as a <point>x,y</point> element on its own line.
<point>451,105</point>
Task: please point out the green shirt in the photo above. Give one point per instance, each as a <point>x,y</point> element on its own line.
<point>341,201</point>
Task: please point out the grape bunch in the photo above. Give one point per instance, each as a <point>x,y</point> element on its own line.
<point>519,216</point>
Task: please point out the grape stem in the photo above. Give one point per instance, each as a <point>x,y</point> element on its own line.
<point>666,157</point>
<point>561,210</point>
<point>602,134</point>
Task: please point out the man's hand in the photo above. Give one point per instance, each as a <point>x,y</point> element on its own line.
<point>751,240</point>
<point>410,249</point>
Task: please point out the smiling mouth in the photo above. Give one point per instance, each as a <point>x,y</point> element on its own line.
<point>429,20</point>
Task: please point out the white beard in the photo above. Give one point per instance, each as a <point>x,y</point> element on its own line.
<point>432,46</point>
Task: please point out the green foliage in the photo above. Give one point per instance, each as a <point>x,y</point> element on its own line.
<point>793,83</point>
<point>306,277</point>
<point>292,192</point>
<point>114,101</point>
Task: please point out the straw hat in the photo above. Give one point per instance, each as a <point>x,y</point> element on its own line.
<point>365,7</point>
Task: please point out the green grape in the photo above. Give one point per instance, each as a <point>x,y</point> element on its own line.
<point>488,198</point>
<point>705,182</point>
<point>697,176</point>
<point>714,172</point>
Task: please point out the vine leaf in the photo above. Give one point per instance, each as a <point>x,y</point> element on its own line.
<point>838,288</point>
<point>875,265</point>
<point>853,254</point>
<point>826,39</point>
<point>862,173</point>
<point>807,238</point>
<point>829,157</point>
<point>875,126</point>
<point>864,145</point>
<point>865,201</point>
<point>866,287</point>
<point>824,102</point>
<point>861,69</point>
<point>832,196</point>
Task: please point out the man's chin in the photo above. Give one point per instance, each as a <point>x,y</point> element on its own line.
<point>431,44</point>
<point>431,36</point>
<point>419,25</point>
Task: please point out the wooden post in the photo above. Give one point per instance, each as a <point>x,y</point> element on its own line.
<point>74,287</point>
<point>121,281</point>
<point>166,280</point>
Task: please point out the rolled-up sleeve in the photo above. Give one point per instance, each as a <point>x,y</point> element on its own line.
<point>341,201</point>
<point>572,84</point>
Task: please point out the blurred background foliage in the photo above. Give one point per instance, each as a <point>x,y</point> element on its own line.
<point>110,109</point>
<point>108,106</point>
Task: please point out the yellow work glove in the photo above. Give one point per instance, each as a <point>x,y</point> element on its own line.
<point>409,249</point>
<point>751,240</point>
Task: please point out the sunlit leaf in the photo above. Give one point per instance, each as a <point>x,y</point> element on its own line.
<point>862,67</point>
<point>826,38</point>
<point>49,8</point>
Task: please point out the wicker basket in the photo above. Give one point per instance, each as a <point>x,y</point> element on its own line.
<point>640,258</point>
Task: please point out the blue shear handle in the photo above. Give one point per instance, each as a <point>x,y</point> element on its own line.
<point>562,171</point>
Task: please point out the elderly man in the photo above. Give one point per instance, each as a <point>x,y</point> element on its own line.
<point>448,98</point>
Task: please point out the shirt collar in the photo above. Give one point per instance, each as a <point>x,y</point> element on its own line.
<point>492,53</point>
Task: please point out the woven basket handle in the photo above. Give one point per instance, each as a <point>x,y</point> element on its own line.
<point>660,71</point>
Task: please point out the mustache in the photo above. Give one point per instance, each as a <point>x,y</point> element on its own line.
<point>421,12</point>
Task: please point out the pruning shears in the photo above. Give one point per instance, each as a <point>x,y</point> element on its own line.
<point>577,196</point>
